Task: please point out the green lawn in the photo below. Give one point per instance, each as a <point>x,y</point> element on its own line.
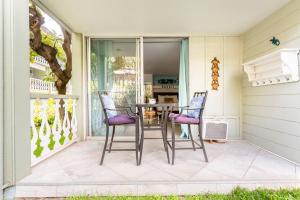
<point>236,194</point>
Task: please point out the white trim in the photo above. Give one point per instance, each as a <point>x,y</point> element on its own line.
<point>145,35</point>
<point>1,99</point>
<point>47,96</point>
<point>141,58</point>
<point>9,86</point>
<point>84,100</point>
<point>88,50</point>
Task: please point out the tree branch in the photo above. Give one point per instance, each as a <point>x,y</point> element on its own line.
<point>67,48</point>
<point>36,20</point>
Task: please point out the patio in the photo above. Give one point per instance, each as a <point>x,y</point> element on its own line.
<point>76,170</point>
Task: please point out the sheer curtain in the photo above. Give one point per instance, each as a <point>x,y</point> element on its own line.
<point>184,80</point>
<point>101,69</point>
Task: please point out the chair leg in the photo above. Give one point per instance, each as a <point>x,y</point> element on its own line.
<point>191,137</point>
<point>164,137</point>
<point>173,142</point>
<point>112,138</point>
<point>105,144</point>
<point>137,132</point>
<point>141,146</point>
<point>202,143</point>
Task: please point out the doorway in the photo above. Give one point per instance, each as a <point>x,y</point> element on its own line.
<point>161,72</point>
<point>132,70</point>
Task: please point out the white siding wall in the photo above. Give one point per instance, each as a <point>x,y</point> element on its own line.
<point>224,103</point>
<point>271,114</point>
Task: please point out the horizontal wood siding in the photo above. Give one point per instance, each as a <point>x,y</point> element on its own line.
<point>271,114</point>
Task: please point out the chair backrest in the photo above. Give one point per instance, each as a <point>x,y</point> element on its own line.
<point>107,104</point>
<point>204,95</point>
<point>198,97</point>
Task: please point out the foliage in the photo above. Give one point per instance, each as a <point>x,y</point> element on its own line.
<point>52,39</point>
<point>120,62</point>
<point>50,112</point>
<point>237,194</point>
<point>62,139</point>
<point>52,142</point>
<point>39,149</point>
<point>37,118</point>
<point>53,48</point>
<point>49,76</point>
<point>70,136</point>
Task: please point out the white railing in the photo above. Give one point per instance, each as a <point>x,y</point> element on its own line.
<point>52,128</point>
<point>45,87</point>
<point>40,60</point>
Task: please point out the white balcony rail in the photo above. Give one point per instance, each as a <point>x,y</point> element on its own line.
<point>52,128</point>
<point>45,87</point>
<point>40,60</point>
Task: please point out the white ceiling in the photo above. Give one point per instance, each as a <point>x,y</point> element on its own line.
<point>125,17</point>
<point>161,56</point>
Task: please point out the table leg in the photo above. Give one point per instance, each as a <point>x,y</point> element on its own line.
<point>137,141</point>
<point>142,134</point>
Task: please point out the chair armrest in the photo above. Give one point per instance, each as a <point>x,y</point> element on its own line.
<point>124,109</point>
<point>178,107</point>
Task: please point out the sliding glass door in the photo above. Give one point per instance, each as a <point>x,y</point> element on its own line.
<point>115,66</point>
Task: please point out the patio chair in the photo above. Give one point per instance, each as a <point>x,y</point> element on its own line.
<point>193,116</point>
<point>118,116</point>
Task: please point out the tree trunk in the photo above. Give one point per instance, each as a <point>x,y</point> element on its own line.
<point>36,20</point>
<point>49,53</point>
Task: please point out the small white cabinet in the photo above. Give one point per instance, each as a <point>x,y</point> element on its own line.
<point>278,67</point>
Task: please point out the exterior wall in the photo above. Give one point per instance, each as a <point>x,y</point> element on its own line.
<point>1,97</point>
<point>271,114</point>
<point>225,102</point>
<point>77,81</point>
<point>16,94</point>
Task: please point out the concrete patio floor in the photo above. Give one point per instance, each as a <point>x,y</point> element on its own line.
<point>76,171</point>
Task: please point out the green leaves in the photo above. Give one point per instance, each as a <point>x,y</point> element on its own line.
<point>237,194</point>
<point>54,40</point>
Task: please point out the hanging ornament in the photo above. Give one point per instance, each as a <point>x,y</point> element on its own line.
<point>215,74</point>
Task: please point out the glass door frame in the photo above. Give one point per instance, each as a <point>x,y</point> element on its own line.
<point>139,75</point>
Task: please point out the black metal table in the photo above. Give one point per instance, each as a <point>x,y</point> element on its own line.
<point>161,125</point>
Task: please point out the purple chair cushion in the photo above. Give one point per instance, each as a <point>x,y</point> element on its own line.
<point>121,119</point>
<point>183,119</point>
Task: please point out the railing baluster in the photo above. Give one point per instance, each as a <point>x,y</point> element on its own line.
<point>33,133</point>
<point>50,133</point>
<point>45,130</point>
<point>66,121</point>
<point>74,122</point>
<point>56,128</point>
<point>40,86</point>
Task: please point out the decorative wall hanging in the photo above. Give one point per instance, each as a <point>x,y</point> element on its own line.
<point>215,74</point>
<point>275,41</point>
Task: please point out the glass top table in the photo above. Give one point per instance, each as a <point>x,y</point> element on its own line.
<point>161,125</point>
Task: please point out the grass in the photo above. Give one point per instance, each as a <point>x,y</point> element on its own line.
<point>237,194</point>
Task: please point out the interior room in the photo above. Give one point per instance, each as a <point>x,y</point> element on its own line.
<point>161,73</point>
